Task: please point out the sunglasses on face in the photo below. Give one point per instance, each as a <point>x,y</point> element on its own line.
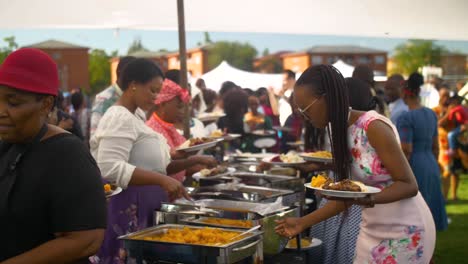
<point>303,111</point>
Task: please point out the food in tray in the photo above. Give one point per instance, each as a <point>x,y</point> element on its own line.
<point>319,180</point>
<point>214,171</point>
<point>199,236</point>
<point>291,157</point>
<point>228,222</point>
<point>305,242</point>
<point>108,189</point>
<point>319,154</point>
<point>344,185</point>
<point>217,134</point>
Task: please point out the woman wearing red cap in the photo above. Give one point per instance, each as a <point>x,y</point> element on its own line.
<point>52,204</point>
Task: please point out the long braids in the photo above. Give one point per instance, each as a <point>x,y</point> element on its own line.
<point>326,80</point>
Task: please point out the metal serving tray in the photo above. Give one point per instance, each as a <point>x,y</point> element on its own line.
<point>257,179</point>
<point>272,243</point>
<point>137,247</point>
<point>244,193</point>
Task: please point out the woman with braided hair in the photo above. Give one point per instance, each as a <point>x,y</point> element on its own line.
<point>396,226</point>
<point>420,143</point>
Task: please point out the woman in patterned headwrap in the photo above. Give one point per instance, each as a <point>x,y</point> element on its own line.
<point>168,110</point>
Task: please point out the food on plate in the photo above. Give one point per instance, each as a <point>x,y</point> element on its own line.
<point>319,154</point>
<point>305,242</point>
<point>213,172</point>
<point>291,157</point>
<point>217,133</point>
<point>344,185</point>
<point>228,222</point>
<point>201,236</point>
<point>199,141</point>
<point>319,180</point>
<point>108,189</point>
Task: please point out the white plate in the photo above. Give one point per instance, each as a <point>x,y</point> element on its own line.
<point>263,133</point>
<point>314,243</point>
<point>197,176</point>
<point>210,117</point>
<point>227,137</point>
<point>115,192</point>
<point>201,146</point>
<point>282,164</point>
<point>345,194</point>
<point>316,159</point>
<point>285,129</point>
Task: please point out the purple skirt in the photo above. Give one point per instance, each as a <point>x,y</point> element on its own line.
<point>128,212</point>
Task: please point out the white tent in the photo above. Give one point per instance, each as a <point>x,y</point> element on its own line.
<point>225,72</point>
<point>345,69</point>
<point>429,19</point>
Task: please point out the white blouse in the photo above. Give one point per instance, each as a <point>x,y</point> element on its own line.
<point>123,142</point>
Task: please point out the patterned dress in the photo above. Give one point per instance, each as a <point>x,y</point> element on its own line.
<point>398,232</point>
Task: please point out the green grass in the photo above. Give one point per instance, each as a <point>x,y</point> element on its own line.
<point>452,244</point>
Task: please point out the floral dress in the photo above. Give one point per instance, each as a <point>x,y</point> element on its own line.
<point>398,232</point>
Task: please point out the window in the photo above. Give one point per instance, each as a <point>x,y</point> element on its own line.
<point>332,59</point>
<point>317,60</point>
<point>379,59</point>
<point>364,60</point>
<point>56,55</point>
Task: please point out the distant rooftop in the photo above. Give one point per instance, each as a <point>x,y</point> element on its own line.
<point>350,49</point>
<point>148,54</point>
<point>55,44</point>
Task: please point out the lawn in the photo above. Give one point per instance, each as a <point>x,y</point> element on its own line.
<point>452,245</point>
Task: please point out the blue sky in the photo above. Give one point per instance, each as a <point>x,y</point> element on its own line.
<point>155,40</point>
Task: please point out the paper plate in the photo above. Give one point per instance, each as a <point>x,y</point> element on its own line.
<point>116,191</point>
<point>200,146</point>
<point>282,164</point>
<point>197,176</point>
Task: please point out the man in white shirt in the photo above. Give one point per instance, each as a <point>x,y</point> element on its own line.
<point>393,89</point>
<point>289,80</point>
<point>429,93</point>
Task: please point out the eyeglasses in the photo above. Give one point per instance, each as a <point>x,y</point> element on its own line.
<point>303,111</point>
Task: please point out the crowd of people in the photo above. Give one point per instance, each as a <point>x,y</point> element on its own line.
<point>395,139</point>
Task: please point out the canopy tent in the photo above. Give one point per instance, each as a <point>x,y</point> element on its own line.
<point>377,18</point>
<point>225,72</point>
<point>345,69</point>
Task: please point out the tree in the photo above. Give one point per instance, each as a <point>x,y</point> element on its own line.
<point>266,52</point>
<point>415,53</point>
<point>99,70</point>
<point>240,55</point>
<point>11,46</point>
<point>136,46</point>
<point>207,38</point>
<point>270,65</point>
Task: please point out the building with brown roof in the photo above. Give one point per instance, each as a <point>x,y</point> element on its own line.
<point>72,62</point>
<point>197,60</point>
<point>353,55</point>
<point>159,57</point>
<point>453,63</point>
<point>272,63</point>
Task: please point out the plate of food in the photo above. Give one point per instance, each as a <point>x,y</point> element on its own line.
<point>212,172</point>
<point>289,159</point>
<point>218,134</point>
<point>342,189</point>
<point>263,133</point>
<point>111,190</point>
<point>306,243</point>
<point>318,156</point>
<point>196,144</point>
<point>296,143</point>
<point>207,117</point>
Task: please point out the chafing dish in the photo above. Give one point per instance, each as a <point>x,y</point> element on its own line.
<point>185,213</point>
<point>240,192</point>
<point>137,247</point>
<point>257,179</point>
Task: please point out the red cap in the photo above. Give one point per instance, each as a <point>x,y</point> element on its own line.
<point>30,70</point>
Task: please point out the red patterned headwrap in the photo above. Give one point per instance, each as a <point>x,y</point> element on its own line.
<point>169,91</point>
